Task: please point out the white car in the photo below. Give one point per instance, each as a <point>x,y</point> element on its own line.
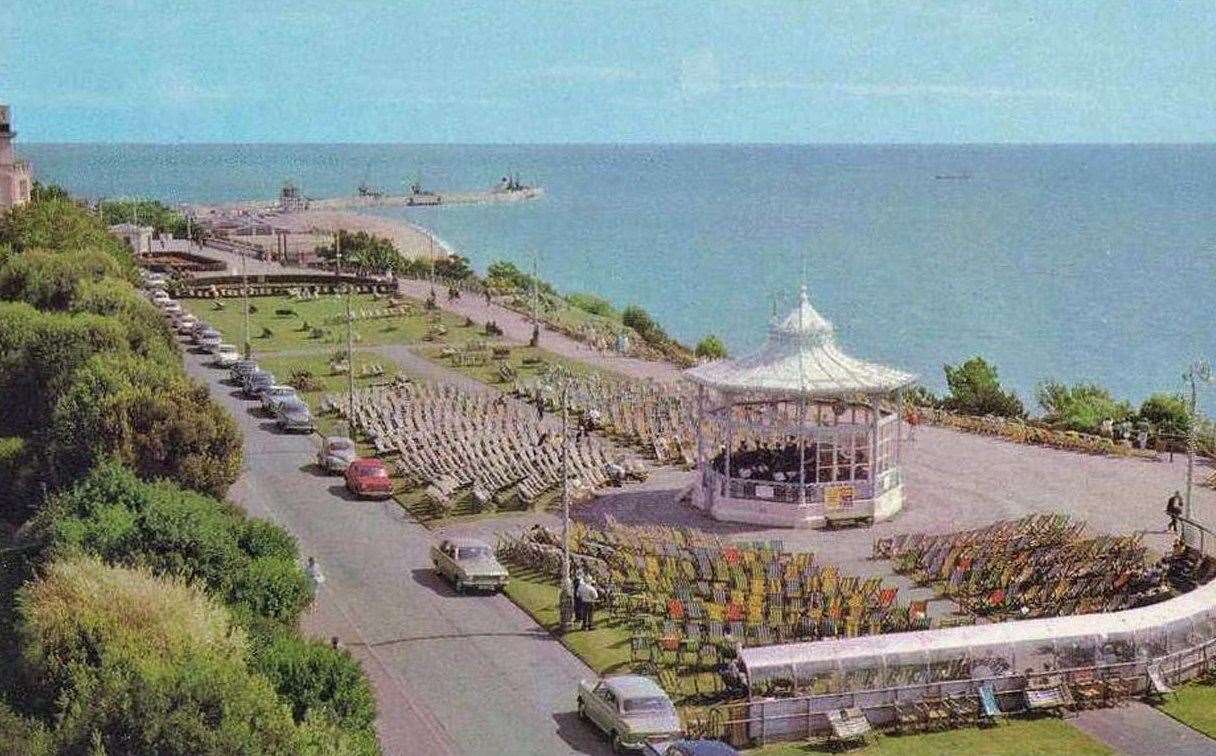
<point>186,324</point>
<point>632,710</point>
<point>159,296</point>
<point>226,355</point>
<point>276,395</point>
<point>336,454</point>
<point>171,308</point>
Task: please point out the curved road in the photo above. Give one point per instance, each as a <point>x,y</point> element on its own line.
<point>453,674</point>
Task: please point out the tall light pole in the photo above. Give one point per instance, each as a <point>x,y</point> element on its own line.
<point>566,598</point>
<point>535,299</point>
<point>350,343</point>
<point>245,294</point>
<point>1199,371</point>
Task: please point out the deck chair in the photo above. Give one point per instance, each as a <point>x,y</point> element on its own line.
<point>990,710</point>
<point>1158,686</point>
<point>849,725</point>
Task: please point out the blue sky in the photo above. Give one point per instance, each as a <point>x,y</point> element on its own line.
<point>351,71</point>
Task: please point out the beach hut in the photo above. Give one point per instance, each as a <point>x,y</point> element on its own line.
<point>798,434</point>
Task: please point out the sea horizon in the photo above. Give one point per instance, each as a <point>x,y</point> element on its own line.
<point>1074,262</point>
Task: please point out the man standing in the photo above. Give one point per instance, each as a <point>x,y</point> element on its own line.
<point>1173,508</point>
<point>588,595</point>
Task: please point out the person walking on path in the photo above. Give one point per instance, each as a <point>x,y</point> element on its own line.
<point>588,595</point>
<point>316,576</point>
<point>913,420</point>
<point>1173,508</point>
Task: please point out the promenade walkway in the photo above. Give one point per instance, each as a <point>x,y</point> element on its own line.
<point>1138,729</point>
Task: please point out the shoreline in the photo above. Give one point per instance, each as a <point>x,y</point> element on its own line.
<point>411,239</point>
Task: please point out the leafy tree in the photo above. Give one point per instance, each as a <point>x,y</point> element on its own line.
<point>453,267</point>
<point>178,533</point>
<point>1083,407</point>
<point>919,396</point>
<point>148,212</point>
<point>60,225</point>
<point>49,280</point>
<point>151,417</point>
<point>975,389</point>
<point>711,347</point>
<point>364,251</point>
<point>1168,414</point>
<point>41,192</point>
<point>505,276</point>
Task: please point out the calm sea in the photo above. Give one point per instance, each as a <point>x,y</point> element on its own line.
<point>1071,262</point>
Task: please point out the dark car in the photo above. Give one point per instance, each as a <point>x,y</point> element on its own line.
<point>368,478</point>
<point>257,382</point>
<point>293,415</point>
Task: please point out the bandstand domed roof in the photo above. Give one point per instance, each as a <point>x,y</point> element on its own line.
<point>800,358</point>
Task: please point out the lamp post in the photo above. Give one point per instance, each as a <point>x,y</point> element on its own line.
<point>245,295</point>
<point>350,341</point>
<point>535,299</point>
<point>566,597</point>
<point>1199,371</point>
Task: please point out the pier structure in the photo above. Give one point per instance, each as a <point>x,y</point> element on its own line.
<point>798,434</point>
<point>16,178</point>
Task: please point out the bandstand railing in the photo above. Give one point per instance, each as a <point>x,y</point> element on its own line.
<point>787,492</point>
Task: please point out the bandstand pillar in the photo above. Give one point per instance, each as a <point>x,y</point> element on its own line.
<point>802,450</point>
<point>877,411</point>
<point>706,490</point>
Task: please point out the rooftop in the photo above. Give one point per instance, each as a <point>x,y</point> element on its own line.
<point>800,358</point>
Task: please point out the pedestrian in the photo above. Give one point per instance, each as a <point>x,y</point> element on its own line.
<point>488,302</point>
<point>314,573</point>
<point>334,643</point>
<point>913,419</point>
<point>1142,439</point>
<point>1173,508</point>
<point>577,588</point>
<point>540,408</point>
<point>588,595</point>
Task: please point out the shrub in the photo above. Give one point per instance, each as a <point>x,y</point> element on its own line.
<point>1083,407</point>
<point>60,225</point>
<point>20,736</point>
<point>316,679</point>
<point>302,379</point>
<point>593,304</point>
<point>453,267</point>
<point>919,396</point>
<point>975,389</point>
<point>1168,414</point>
<point>271,587</point>
<point>133,663</point>
<point>711,347</point>
<point>639,320</point>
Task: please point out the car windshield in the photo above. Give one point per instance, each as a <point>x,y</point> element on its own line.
<point>373,472</point>
<point>647,704</point>
<point>472,552</point>
<point>341,445</point>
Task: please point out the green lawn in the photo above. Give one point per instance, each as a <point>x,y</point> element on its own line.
<point>1195,707</point>
<point>317,324</point>
<point>1037,737</point>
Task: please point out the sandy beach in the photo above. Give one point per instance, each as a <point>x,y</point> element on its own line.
<point>411,240</point>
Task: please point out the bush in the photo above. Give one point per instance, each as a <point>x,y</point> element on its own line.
<point>505,276</point>
<point>22,737</point>
<point>1168,414</point>
<point>135,664</point>
<point>711,347</point>
<point>453,267</point>
<point>317,680</point>
<point>177,533</point>
<point>975,389</point>
<point>639,320</point>
<point>1083,407</point>
<point>60,225</point>
<point>593,304</point>
<point>919,396</point>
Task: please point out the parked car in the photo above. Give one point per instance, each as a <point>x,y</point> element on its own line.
<point>368,478</point>
<point>689,748</point>
<point>241,369</point>
<point>170,308</point>
<point>200,327</point>
<point>159,296</point>
<point>210,340</point>
<point>631,710</point>
<point>257,382</point>
<point>336,454</point>
<point>185,324</point>
<point>469,564</point>
<point>276,395</point>
<point>293,415</point>
<point>226,356</point>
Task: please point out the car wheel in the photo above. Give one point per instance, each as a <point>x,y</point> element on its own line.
<point>459,585</point>
<point>582,710</point>
<point>617,745</point>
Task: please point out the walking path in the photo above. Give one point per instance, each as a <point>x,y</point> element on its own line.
<point>1138,729</point>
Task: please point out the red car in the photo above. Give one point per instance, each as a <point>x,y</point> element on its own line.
<point>368,478</point>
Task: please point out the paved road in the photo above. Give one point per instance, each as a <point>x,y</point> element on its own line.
<point>1138,729</point>
<point>453,674</point>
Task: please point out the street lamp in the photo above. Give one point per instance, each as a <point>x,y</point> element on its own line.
<point>566,598</point>
<point>245,295</point>
<point>535,299</point>
<point>1199,372</point>
<point>350,348</point>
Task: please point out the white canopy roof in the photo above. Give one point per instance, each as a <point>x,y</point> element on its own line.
<point>800,358</point>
